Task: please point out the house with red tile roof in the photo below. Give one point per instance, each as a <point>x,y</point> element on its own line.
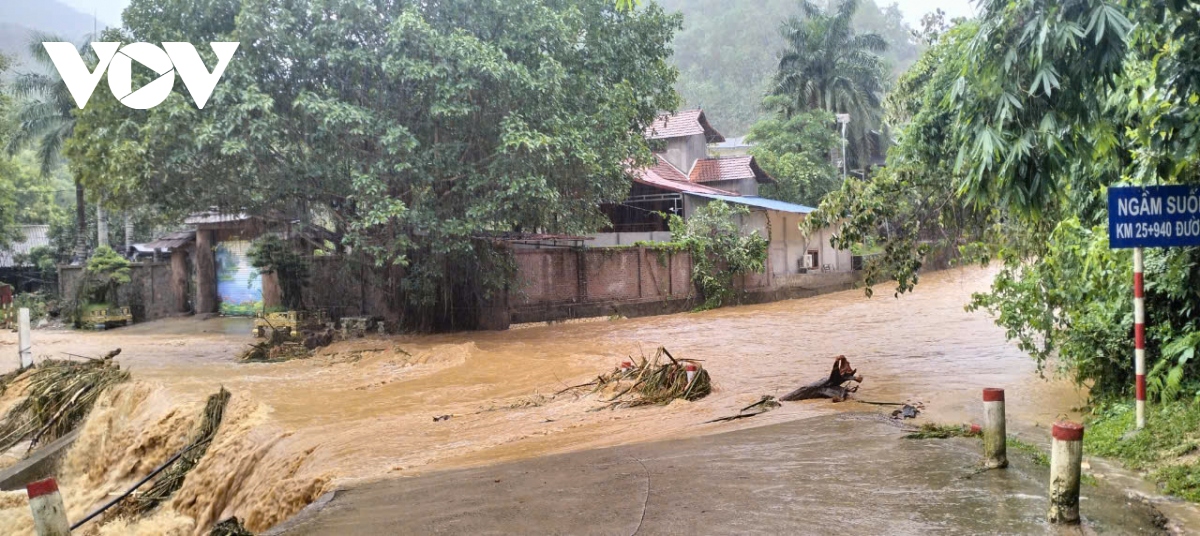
<point>683,177</point>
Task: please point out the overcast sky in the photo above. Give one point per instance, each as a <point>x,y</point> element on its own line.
<point>109,11</point>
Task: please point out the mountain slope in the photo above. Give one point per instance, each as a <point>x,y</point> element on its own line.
<point>20,19</point>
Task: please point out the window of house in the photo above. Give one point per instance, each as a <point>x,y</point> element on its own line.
<point>814,258</point>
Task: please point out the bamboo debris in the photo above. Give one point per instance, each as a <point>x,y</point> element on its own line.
<point>171,479</point>
<point>59,395</point>
<point>651,381</point>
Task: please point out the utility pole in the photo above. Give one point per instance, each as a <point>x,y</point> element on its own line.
<point>843,120</point>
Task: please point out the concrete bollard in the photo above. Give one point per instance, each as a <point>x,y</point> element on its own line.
<point>1066,459</point>
<point>995,437</point>
<point>690,368</point>
<point>49,512</point>
<point>24,347</point>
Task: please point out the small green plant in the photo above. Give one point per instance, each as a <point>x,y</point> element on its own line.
<point>105,272</point>
<point>720,251</point>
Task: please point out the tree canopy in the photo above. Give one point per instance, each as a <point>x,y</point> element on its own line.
<point>826,65</point>
<point>412,129</point>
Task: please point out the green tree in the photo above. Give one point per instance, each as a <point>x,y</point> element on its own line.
<point>420,130</point>
<point>795,151</point>
<point>45,120</point>
<point>1014,126</point>
<point>720,251</point>
<point>827,65</point>
<point>911,208</point>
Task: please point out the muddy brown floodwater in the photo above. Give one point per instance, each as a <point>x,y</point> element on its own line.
<point>363,410</point>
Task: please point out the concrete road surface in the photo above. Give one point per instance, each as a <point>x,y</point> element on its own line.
<point>849,474</point>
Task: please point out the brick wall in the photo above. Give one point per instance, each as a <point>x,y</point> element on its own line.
<point>602,275</point>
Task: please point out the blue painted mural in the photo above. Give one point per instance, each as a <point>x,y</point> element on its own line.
<point>239,285</point>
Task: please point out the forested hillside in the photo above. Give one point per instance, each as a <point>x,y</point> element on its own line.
<point>727,52</point>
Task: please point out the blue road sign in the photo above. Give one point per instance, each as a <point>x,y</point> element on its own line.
<point>1153,216</point>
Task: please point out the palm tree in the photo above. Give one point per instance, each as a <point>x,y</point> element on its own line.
<point>45,121</point>
<point>827,66</point>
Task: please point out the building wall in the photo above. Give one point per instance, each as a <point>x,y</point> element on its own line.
<point>149,294</point>
<point>599,275</point>
<point>789,246</point>
<point>604,240</point>
<point>683,152</point>
<point>748,187</point>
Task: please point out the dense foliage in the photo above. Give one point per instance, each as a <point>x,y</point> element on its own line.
<point>1014,126</point>
<point>720,250</point>
<point>45,119</point>
<point>827,65</point>
<point>413,130</point>
<point>795,152</point>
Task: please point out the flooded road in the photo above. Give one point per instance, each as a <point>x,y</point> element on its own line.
<point>363,410</point>
<point>840,474</point>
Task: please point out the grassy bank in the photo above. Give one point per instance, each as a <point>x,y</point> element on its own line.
<point>1168,449</point>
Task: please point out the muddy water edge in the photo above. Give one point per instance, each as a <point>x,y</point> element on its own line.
<point>363,410</point>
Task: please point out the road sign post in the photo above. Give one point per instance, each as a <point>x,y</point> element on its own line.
<point>1149,217</point>
<point>1139,334</point>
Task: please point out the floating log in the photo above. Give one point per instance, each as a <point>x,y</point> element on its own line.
<point>833,387</point>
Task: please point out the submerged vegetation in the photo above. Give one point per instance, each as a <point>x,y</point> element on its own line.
<point>647,381</point>
<point>941,431</point>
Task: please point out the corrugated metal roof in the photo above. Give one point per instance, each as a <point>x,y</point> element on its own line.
<point>213,216</point>
<point>733,143</point>
<point>760,202</point>
<point>33,236</point>
<point>168,242</point>
<point>683,124</point>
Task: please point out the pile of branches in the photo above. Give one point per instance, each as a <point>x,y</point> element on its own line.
<point>171,478</point>
<point>59,395</point>
<point>278,346</point>
<point>651,381</point>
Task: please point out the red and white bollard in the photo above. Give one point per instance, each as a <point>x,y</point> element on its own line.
<point>1066,460</point>
<point>690,368</point>
<point>995,436</point>
<point>626,366</point>
<point>1139,333</point>
<point>49,512</point>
